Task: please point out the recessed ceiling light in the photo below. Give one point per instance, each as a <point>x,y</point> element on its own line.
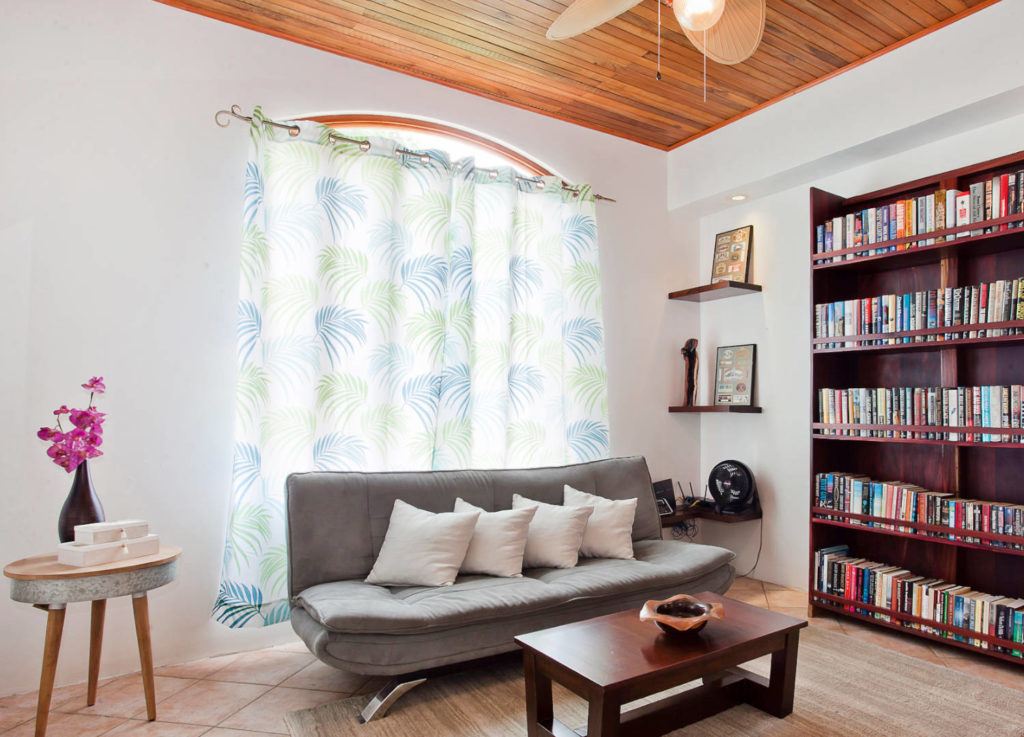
<point>738,197</point>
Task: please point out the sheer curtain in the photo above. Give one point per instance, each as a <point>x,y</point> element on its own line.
<point>400,312</point>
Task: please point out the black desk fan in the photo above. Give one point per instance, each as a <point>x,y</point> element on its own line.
<point>732,486</point>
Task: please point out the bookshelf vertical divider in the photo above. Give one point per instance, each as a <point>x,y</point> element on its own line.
<point>987,472</point>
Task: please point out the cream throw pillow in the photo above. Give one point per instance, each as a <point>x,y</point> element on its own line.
<point>422,548</point>
<point>609,532</point>
<point>555,533</point>
<point>499,540</point>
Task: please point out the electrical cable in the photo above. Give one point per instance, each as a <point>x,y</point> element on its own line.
<point>760,543</point>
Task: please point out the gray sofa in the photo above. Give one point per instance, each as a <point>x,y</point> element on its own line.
<point>336,524</point>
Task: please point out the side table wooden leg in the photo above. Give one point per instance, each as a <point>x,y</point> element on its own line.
<point>539,710</point>
<point>51,650</point>
<point>140,605</point>
<point>99,611</point>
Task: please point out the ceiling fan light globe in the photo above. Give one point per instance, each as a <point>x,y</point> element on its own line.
<point>698,15</point>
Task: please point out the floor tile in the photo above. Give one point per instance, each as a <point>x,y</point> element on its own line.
<point>786,597</point>
<point>140,728</point>
<point>73,694</point>
<point>198,668</point>
<point>267,712</point>
<point>222,732</point>
<point>757,598</point>
<point>12,716</point>
<point>68,725</point>
<point>747,583</point>
<point>266,667</point>
<point>207,702</point>
<point>293,647</point>
<point>800,612</point>
<point>125,696</point>
<point>319,676</point>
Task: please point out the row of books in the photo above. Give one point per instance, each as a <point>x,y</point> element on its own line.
<point>901,591</point>
<point>982,407</point>
<point>900,501</point>
<point>950,307</point>
<point>993,198</point>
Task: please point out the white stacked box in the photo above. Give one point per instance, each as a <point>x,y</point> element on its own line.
<point>107,542</point>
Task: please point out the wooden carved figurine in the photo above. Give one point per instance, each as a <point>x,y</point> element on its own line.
<point>689,352</point>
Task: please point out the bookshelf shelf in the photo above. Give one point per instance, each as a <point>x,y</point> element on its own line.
<point>848,518</point>
<point>986,243</point>
<point>819,343</point>
<point>836,604</point>
<point>735,409</point>
<point>990,470</point>
<point>718,290</point>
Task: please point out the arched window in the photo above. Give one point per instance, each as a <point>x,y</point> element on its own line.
<point>426,134</point>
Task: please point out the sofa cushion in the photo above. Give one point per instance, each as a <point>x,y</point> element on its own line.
<point>423,548</point>
<point>499,541</point>
<point>357,607</point>
<point>555,533</point>
<point>608,528</point>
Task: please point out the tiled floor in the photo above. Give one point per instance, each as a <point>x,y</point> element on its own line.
<point>247,695</point>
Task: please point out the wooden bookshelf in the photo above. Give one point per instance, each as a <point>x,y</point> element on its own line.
<point>983,471</point>
<point>734,408</point>
<point>718,290</point>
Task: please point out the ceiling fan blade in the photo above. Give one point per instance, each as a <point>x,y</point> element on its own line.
<point>583,15</point>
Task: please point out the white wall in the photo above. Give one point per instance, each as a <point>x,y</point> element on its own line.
<point>924,125</point>
<point>119,229</point>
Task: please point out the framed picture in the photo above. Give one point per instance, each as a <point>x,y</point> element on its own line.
<point>732,255</point>
<point>734,375</point>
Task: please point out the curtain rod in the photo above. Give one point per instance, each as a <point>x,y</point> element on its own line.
<point>364,146</point>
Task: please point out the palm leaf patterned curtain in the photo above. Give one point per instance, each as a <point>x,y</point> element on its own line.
<point>397,314</point>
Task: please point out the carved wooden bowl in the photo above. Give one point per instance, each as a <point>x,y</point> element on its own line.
<point>681,614</point>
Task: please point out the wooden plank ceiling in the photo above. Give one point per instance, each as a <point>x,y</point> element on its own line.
<point>603,79</point>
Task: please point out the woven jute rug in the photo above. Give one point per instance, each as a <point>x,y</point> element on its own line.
<point>845,688</point>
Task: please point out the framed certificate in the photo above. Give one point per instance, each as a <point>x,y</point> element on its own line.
<point>734,375</point>
<point>732,255</point>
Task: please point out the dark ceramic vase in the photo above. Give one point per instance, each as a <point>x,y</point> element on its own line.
<point>82,507</point>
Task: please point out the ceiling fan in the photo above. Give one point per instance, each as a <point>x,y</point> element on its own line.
<point>727,31</point>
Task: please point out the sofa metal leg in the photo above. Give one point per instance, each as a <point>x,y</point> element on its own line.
<point>387,696</point>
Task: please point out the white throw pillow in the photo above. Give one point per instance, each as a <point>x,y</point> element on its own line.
<point>609,532</point>
<point>555,534</point>
<point>422,548</point>
<point>499,540</point>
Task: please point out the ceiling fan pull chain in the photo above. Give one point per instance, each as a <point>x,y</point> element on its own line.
<point>658,75</point>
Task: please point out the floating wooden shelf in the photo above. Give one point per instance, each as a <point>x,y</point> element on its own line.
<point>933,345</point>
<point>718,290</point>
<point>671,520</point>
<point>716,408</point>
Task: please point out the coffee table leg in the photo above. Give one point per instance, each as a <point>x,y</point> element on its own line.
<point>778,701</point>
<point>538,695</point>
<point>51,650</point>
<point>99,610</point>
<point>603,717</point>
<point>140,605</point>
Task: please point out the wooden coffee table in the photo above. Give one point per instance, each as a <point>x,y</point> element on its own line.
<point>615,659</point>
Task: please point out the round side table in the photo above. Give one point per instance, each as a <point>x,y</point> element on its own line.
<point>51,586</point>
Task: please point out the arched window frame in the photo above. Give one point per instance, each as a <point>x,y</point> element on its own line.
<point>356,120</point>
